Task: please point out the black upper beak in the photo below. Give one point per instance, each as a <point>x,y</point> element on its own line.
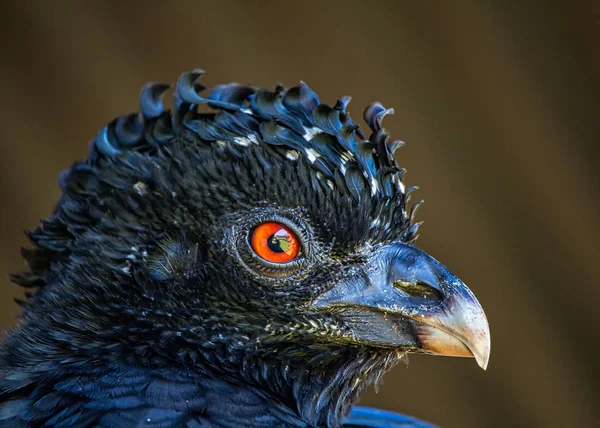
<point>403,281</point>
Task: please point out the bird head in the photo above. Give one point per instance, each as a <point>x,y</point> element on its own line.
<point>267,239</point>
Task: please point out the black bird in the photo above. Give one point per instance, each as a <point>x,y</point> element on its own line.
<point>242,260</point>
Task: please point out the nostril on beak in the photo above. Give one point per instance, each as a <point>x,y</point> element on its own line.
<point>418,289</point>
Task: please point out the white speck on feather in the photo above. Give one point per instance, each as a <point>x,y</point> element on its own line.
<point>374,186</point>
<point>141,188</point>
<point>292,154</point>
<point>347,155</point>
<point>309,133</point>
<point>312,154</point>
<point>401,187</point>
<point>371,179</point>
<point>242,141</point>
<point>245,141</point>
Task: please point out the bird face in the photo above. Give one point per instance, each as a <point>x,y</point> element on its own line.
<point>304,266</point>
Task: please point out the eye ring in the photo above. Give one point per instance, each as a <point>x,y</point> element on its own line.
<point>239,243</point>
<point>275,243</point>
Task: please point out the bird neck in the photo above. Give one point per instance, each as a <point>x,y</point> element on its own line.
<point>323,390</point>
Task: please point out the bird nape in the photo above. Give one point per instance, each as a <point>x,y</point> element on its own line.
<point>244,259</point>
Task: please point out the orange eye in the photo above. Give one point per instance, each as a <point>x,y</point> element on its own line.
<point>275,243</point>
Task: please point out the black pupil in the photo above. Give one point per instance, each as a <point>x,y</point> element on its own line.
<point>279,242</point>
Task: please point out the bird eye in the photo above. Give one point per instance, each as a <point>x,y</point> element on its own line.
<point>274,242</point>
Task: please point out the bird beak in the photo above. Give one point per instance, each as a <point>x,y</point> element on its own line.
<point>419,303</point>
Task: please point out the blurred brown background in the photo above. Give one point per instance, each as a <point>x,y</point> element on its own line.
<point>499,105</point>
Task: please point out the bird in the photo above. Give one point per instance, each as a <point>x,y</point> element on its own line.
<point>244,258</point>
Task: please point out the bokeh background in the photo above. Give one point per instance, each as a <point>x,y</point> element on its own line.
<point>499,106</point>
